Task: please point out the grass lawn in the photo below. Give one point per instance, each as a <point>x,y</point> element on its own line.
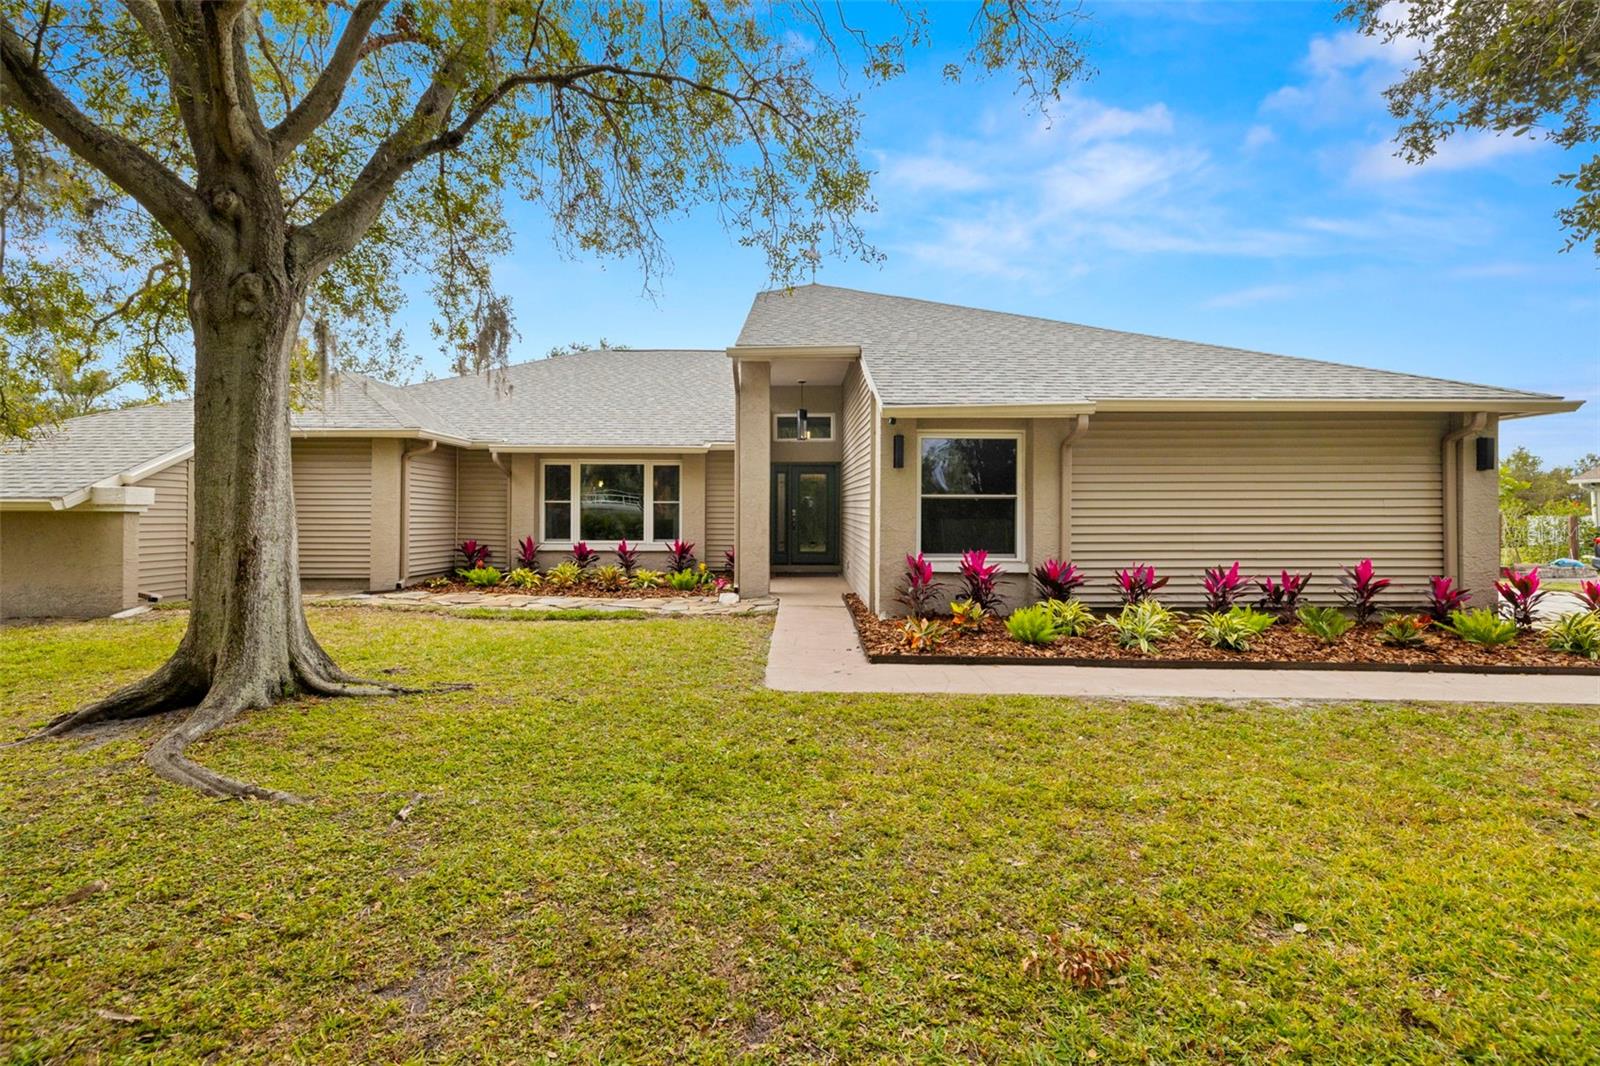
<point>621,848</point>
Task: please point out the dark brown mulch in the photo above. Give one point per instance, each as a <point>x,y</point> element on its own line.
<point>502,589</point>
<point>1283,643</point>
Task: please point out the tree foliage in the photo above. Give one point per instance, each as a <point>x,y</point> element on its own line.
<point>1523,67</point>
<point>1528,487</point>
<point>398,131</point>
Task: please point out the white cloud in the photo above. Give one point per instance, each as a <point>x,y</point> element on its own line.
<point>1258,136</point>
<point>931,173</point>
<point>1464,151</point>
<point>1345,75</point>
<point>1255,294</point>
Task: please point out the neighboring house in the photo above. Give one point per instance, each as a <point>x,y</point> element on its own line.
<point>1589,481</point>
<point>929,428</point>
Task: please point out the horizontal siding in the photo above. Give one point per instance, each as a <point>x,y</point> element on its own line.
<point>164,534</point>
<point>333,508</point>
<point>855,482</point>
<point>722,507</point>
<point>1302,492</point>
<point>430,512</point>
<point>483,496</point>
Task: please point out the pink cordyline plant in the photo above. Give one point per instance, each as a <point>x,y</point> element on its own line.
<point>1057,580</point>
<point>1521,593</point>
<point>1444,596</point>
<point>979,575</point>
<point>528,553</point>
<point>627,556</point>
<point>1223,587</point>
<point>584,555</point>
<point>681,555</point>
<point>1589,593</point>
<point>475,554</point>
<point>1139,582</point>
<point>1280,596</point>
<point>1361,588</point>
<point>727,562</point>
<point>918,590</point>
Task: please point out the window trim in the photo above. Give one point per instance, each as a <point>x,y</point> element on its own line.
<point>574,465</point>
<point>947,562</point>
<point>833,422</point>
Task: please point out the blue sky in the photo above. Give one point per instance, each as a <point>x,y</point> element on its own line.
<point>1226,177</point>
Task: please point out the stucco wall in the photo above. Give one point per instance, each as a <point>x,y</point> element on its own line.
<point>1479,519</point>
<point>68,564</point>
<point>754,478</point>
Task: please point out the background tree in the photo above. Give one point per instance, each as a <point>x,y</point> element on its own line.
<point>260,164</point>
<point>1537,490</point>
<point>1524,67</point>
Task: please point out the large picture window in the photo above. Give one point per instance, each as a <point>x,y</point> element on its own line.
<point>969,495</point>
<point>603,503</point>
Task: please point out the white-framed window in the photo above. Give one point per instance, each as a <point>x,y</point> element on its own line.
<point>604,501</point>
<point>969,494</point>
<point>786,425</point>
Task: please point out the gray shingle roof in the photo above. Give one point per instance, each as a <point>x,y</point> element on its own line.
<point>90,449</point>
<point>932,354</point>
<point>665,398</point>
<point>1589,476</point>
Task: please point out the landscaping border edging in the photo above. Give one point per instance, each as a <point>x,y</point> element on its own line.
<point>1211,664</point>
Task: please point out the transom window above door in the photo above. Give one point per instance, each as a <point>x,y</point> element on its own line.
<point>605,502</point>
<point>969,496</point>
<point>787,426</point>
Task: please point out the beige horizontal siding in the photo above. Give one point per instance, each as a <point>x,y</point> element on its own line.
<point>1302,492</point>
<point>855,482</point>
<point>430,512</point>
<point>333,508</point>
<point>483,496</point>
<point>164,534</point>
<point>722,508</point>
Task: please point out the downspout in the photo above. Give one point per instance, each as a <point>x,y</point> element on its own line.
<point>1078,427</point>
<point>1449,500</point>
<point>405,508</point>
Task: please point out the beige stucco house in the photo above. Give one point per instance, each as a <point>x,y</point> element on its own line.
<point>927,427</point>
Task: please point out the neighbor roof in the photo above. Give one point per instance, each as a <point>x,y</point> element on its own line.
<point>920,353</point>
<point>1588,477</point>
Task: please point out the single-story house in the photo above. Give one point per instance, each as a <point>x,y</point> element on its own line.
<point>841,431</point>
<point>1589,481</point>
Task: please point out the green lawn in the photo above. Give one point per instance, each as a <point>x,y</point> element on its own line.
<point>623,849</point>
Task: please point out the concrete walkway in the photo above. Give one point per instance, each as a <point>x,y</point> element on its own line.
<point>814,649</point>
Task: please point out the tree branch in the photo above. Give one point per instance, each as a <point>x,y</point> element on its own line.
<point>323,96</point>
<point>157,189</point>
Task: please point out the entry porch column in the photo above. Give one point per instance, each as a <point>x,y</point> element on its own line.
<point>753,476</point>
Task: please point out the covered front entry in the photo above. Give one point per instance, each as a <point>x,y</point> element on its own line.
<point>805,514</point>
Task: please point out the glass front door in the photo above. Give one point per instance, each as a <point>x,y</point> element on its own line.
<point>805,514</point>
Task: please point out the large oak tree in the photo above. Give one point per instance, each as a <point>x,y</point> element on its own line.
<point>228,165</point>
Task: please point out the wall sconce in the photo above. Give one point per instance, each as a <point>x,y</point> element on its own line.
<point>899,450</point>
<point>1485,453</point>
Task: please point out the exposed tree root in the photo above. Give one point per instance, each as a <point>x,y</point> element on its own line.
<point>175,684</point>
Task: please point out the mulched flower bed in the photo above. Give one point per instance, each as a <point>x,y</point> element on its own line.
<point>594,591</point>
<point>1284,644</point>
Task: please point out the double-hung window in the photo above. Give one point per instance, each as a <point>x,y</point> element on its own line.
<point>969,494</point>
<point>603,503</point>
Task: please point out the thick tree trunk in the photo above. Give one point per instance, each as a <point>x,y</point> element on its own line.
<point>247,644</point>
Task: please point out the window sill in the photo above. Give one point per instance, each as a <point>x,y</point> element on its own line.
<point>952,564</point>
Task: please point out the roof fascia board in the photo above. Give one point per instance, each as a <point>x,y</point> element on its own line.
<point>985,410</point>
<point>1499,406</point>
<point>608,449</point>
<point>156,465</point>
<point>763,352</point>
<point>391,434</point>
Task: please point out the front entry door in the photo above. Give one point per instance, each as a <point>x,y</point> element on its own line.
<point>805,514</point>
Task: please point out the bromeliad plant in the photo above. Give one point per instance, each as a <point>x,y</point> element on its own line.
<point>1482,627</point>
<point>1327,624</point>
<point>1138,583</point>
<point>481,576</point>
<point>1033,625</point>
<point>1234,629</point>
<point>686,580</point>
<point>563,575</point>
<point>979,576</point>
<point>1223,587</point>
<point>648,579</point>
<point>966,616</point>
<point>1361,587</point>
<point>523,578</point>
<point>474,556</point>
<point>680,556</point>
<point>921,634</point>
<point>583,555</point>
<point>919,589</point>
<point>1522,594</point>
<point>527,554</point>
<point>627,556</point>
<point>1057,580</point>
<point>1143,625</point>
<point>1445,596</point>
<point>609,577</point>
<point>1404,630</point>
<point>1281,596</point>
<point>1072,617</point>
<point>1577,633</point>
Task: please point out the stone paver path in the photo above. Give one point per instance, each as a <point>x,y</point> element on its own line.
<point>679,606</point>
<point>815,649</point>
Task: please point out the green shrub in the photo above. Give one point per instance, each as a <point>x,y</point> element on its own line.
<point>1577,633</point>
<point>1327,624</point>
<point>523,578</point>
<point>1404,630</point>
<point>684,580</point>
<point>919,634</point>
<point>1144,624</point>
<point>437,581</point>
<point>1234,629</point>
<point>1071,617</point>
<point>481,576</point>
<point>1033,625</point>
<point>966,616</point>
<point>1482,627</point>
<point>608,577</point>
<point>648,579</point>
<point>563,575</point>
